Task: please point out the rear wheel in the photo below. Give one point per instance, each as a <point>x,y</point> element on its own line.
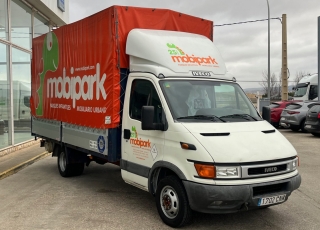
<point>67,169</point>
<point>316,134</point>
<point>294,128</point>
<point>302,126</point>
<point>172,202</point>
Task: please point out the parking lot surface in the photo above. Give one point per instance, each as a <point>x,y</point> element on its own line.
<point>37,197</point>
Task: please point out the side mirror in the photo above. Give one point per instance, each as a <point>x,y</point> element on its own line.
<point>26,101</point>
<point>266,113</point>
<point>147,115</point>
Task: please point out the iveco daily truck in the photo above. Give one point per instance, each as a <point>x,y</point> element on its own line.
<point>146,89</point>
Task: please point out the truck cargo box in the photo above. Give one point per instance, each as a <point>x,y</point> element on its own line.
<point>79,70</point>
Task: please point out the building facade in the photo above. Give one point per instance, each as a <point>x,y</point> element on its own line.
<point>20,21</point>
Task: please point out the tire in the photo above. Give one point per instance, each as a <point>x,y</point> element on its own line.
<point>302,126</point>
<point>316,134</point>
<point>68,170</point>
<point>276,125</point>
<point>172,202</point>
<point>294,128</point>
<point>78,169</point>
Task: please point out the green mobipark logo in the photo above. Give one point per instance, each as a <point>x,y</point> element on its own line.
<point>138,142</point>
<point>178,55</point>
<point>134,133</point>
<point>50,57</point>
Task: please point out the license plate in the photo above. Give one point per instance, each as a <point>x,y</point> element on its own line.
<point>308,126</point>
<point>271,200</point>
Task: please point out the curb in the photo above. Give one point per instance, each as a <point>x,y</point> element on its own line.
<point>19,167</point>
<point>10,149</point>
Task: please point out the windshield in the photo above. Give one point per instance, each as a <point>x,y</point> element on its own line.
<point>300,91</point>
<point>208,101</point>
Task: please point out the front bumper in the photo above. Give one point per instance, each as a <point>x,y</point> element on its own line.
<point>228,199</point>
<point>312,128</point>
<point>289,121</point>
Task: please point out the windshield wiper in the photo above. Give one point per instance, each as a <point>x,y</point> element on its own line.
<point>242,115</point>
<point>203,117</point>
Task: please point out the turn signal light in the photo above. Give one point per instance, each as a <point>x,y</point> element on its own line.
<point>188,146</point>
<point>205,171</point>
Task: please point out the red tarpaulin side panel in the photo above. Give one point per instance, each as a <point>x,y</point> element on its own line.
<point>159,19</point>
<point>76,71</point>
<point>75,78</point>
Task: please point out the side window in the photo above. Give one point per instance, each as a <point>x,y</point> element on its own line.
<point>313,92</point>
<point>143,93</point>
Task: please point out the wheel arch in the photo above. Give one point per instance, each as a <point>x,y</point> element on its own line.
<point>160,170</point>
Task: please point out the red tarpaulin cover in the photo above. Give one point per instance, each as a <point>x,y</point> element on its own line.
<point>76,68</point>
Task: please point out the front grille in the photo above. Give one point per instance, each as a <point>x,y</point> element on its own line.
<point>261,190</point>
<point>266,170</point>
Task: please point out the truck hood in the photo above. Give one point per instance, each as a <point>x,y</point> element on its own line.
<point>241,141</point>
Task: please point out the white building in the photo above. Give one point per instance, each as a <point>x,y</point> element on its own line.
<point>20,21</point>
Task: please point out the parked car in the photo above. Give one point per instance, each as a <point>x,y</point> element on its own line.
<point>312,124</point>
<point>295,114</point>
<point>276,110</point>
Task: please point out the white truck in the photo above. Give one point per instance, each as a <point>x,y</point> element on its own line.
<point>175,121</point>
<point>307,88</point>
<point>21,92</point>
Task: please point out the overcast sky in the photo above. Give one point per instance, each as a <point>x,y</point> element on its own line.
<point>244,47</point>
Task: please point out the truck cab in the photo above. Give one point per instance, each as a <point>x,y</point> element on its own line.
<point>307,88</point>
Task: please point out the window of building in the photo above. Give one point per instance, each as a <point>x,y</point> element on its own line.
<point>4,105</point>
<point>21,30</point>
<point>21,76</point>
<point>3,20</point>
<point>40,25</point>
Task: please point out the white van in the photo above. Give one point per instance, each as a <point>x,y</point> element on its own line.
<point>307,88</point>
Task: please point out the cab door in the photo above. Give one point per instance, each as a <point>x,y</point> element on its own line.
<point>141,148</point>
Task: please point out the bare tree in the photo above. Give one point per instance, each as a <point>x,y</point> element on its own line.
<point>273,83</point>
<point>300,75</point>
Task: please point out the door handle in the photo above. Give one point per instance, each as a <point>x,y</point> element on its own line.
<point>126,134</point>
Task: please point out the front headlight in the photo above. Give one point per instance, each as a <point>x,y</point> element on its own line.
<point>212,171</point>
<point>228,172</point>
<point>295,163</point>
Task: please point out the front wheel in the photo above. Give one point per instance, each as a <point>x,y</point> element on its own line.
<point>172,202</point>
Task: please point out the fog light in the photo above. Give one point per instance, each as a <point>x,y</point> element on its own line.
<point>216,203</point>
